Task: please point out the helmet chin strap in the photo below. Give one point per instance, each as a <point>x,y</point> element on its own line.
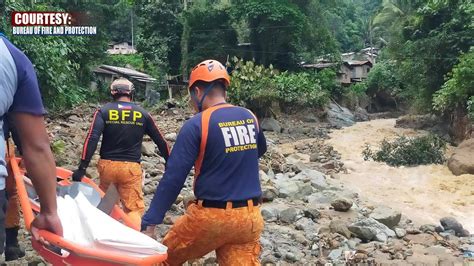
<point>200,102</point>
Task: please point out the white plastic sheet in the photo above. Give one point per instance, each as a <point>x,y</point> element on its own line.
<point>86,225</point>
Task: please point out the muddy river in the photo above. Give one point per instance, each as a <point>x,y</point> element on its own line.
<point>423,193</point>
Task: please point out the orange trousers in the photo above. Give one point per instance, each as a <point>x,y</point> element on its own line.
<point>127,177</point>
<point>233,233</point>
<point>12,213</point>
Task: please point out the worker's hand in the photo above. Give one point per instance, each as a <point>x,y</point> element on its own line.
<point>78,174</point>
<point>46,221</point>
<point>150,231</point>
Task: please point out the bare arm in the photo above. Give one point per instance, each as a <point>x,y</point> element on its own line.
<point>39,162</point>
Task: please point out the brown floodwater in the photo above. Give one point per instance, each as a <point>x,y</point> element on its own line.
<point>423,193</point>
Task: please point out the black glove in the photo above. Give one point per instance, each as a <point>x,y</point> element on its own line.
<point>78,174</point>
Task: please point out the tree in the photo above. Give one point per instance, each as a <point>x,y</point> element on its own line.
<point>160,37</point>
<point>458,90</point>
<point>282,32</point>
<point>63,63</point>
<point>427,44</point>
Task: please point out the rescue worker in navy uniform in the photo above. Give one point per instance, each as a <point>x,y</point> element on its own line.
<point>224,143</point>
<point>122,125</point>
<point>20,99</point>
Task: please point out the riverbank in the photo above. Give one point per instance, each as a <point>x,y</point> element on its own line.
<point>318,206</point>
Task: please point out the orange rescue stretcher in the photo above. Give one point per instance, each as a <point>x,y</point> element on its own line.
<point>76,254</point>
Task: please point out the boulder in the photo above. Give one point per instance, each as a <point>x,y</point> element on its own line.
<point>270,124</point>
<point>269,193</point>
<point>462,161</point>
<point>427,121</point>
<point>400,232</point>
<point>148,148</point>
<point>341,204</point>
<point>430,228</point>
<point>386,215</point>
<point>360,114</point>
<point>369,229</point>
<point>289,188</point>
<point>289,215</point>
<point>339,116</point>
<point>317,179</point>
<point>306,225</point>
<point>449,223</point>
<point>340,227</point>
<point>269,213</point>
<point>312,213</point>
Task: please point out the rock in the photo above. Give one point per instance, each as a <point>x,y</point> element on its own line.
<point>340,227</point>
<point>290,257</point>
<point>341,204</point>
<point>317,179</point>
<point>422,239</point>
<point>360,114</point>
<point>148,148</point>
<point>400,232</point>
<point>306,224</point>
<point>447,233</point>
<point>269,194</point>
<point>310,118</point>
<point>171,137</point>
<point>335,254</point>
<point>269,213</point>
<point>290,188</point>
<point>462,161</point>
<point>312,213</point>
<point>92,173</point>
<point>270,124</point>
<point>339,116</point>
<point>314,157</point>
<point>449,223</point>
<point>427,121</point>
<point>329,165</point>
<point>289,215</point>
<point>428,228</point>
<point>265,243</point>
<point>386,215</point>
<point>436,250</point>
<point>369,229</point>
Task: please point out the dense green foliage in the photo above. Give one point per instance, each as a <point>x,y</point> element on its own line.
<point>405,151</point>
<point>421,41</point>
<point>426,41</point>
<point>62,63</point>
<point>458,90</point>
<point>258,87</point>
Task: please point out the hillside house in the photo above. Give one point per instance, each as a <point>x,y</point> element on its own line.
<point>121,48</point>
<point>357,70</point>
<point>349,72</point>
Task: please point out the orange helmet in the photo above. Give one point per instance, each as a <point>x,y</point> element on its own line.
<point>209,71</point>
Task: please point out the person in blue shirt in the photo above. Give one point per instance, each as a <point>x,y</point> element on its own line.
<point>20,99</point>
<point>223,142</point>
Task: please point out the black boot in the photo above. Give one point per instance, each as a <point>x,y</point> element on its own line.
<point>13,251</point>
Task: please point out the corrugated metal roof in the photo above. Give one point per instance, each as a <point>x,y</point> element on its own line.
<point>357,63</point>
<point>319,65</point>
<point>123,71</point>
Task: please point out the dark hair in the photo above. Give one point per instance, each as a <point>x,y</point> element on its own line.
<point>218,86</point>
<point>121,94</point>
